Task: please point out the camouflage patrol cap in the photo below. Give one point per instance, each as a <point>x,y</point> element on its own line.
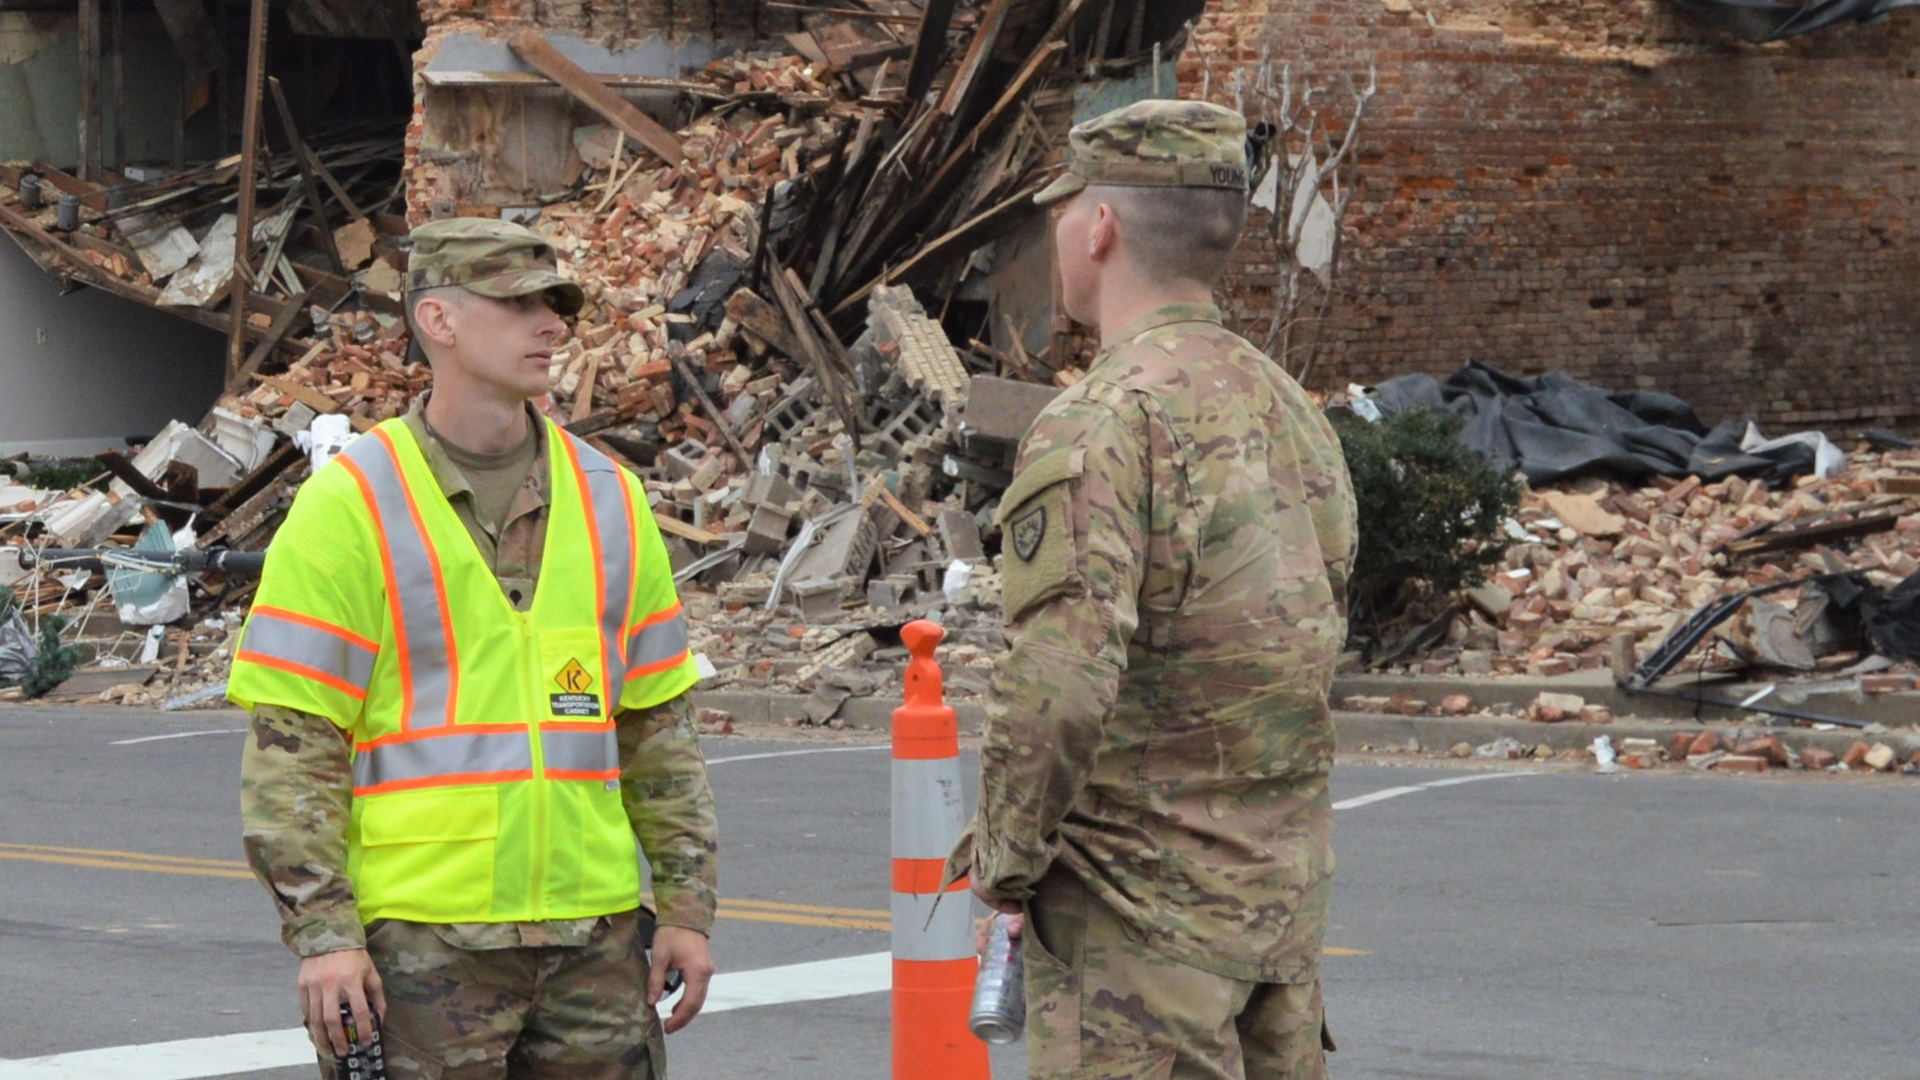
<point>490,257</point>
<point>1156,143</point>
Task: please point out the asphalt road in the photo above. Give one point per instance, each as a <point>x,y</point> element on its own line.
<point>1521,926</point>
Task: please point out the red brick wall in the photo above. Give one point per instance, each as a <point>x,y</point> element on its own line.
<point>618,20</point>
<point>1605,187</point>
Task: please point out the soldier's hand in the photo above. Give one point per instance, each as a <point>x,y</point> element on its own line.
<point>687,950</point>
<point>1016,923</point>
<point>329,979</point>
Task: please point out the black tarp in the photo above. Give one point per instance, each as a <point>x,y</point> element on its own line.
<point>1891,616</point>
<point>1768,20</point>
<point>1553,426</point>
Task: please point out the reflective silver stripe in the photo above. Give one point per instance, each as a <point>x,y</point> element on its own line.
<point>442,756</point>
<point>283,639</point>
<point>407,551</point>
<point>948,937</point>
<point>580,751</point>
<point>929,811</point>
<point>607,501</point>
<point>658,643</point>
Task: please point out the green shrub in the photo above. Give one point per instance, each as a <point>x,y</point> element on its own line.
<point>63,477</point>
<point>56,661</point>
<point>1431,511</point>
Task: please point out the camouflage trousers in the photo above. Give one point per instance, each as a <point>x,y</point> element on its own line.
<point>544,1013</point>
<point>1102,1005</point>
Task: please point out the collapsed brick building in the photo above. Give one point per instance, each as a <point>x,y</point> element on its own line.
<point>1618,191</point>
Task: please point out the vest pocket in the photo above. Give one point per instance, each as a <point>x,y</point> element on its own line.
<point>430,851</point>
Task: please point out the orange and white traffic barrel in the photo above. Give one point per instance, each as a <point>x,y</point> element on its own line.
<point>933,954</point>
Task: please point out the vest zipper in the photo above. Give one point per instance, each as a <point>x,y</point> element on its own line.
<point>538,909</point>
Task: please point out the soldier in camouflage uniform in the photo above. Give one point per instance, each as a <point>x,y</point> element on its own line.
<point>1178,534</point>
<point>561,998</point>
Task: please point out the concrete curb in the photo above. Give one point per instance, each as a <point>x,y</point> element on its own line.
<point>1357,730</point>
<point>1837,697</point>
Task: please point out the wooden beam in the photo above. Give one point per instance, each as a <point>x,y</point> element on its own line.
<point>763,321</point>
<point>295,309</point>
<point>119,86</point>
<point>533,47</point>
<point>865,15</point>
<point>673,526</point>
<point>795,303</point>
<point>713,411</point>
<point>1016,92</point>
<point>90,111</point>
<point>249,176</point>
<point>929,48</point>
<point>981,47</point>
<point>966,237</point>
<point>1783,539</point>
<point>302,158</point>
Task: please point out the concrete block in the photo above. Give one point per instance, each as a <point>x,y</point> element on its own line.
<point>844,550</point>
<point>683,461</point>
<point>767,530</point>
<point>1001,410</point>
<point>763,488</point>
<point>960,535</point>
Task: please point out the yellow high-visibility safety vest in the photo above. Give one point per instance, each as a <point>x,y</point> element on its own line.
<point>485,774</point>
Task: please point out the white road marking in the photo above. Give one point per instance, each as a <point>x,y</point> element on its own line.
<point>179,735</point>
<point>798,753</point>
<point>1372,797</point>
<point>225,1055</point>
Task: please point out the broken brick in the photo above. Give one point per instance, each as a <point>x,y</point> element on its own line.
<point>1766,746</point>
<point>1552,708</point>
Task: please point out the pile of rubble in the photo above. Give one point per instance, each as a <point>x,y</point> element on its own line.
<point>823,459</point>
<point>1600,573</point>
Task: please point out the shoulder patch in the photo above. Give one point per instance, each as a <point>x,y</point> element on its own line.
<point>1028,531</point>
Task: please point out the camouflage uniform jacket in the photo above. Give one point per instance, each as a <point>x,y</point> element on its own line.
<point>1177,542</point>
<point>297,776</point>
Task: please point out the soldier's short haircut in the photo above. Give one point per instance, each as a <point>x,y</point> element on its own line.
<point>1187,233</point>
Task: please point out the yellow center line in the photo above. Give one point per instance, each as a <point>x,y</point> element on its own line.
<point>767,911</point>
<point>113,864</point>
<point>137,856</point>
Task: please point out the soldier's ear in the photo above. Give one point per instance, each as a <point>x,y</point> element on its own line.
<point>1104,237</point>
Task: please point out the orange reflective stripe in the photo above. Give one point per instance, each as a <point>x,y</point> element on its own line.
<point>439,577</point>
<point>303,671</point>
<point>593,544</point>
<point>321,625</point>
<point>659,617</point>
<point>602,775</point>
<point>394,613</point>
<point>654,669</point>
<point>454,780</point>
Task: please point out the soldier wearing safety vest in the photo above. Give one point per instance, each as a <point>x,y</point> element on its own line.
<point>466,665</point>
